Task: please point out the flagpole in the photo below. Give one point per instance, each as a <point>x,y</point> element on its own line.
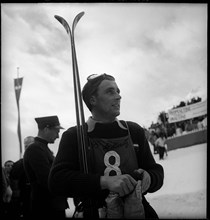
<point>18,86</point>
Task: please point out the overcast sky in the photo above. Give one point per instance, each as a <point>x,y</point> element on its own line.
<point>156,52</point>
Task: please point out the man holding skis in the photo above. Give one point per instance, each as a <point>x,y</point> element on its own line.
<point>121,166</point>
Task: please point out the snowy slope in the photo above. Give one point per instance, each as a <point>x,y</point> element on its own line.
<point>185,170</point>
<point>183,194</point>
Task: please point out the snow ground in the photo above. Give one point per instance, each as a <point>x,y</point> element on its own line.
<point>183,195</point>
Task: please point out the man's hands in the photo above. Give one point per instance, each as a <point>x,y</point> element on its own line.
<point>144,177</point>
<point>121,184</point>
<point>124,184</point>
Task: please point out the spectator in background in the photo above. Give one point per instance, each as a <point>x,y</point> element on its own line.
<point>6,194</point>
<point>160,143</point>
<point>18,175</point>
<point>7,168</point>
<point>6,189</point>
<point>188,126</point>
<point>204,122</point>
<point>7,197</point>
<point>152,138</point>
<point>8,165</point>
<point>199,125</point>
<point>38,160</point>
<point>195,123</point>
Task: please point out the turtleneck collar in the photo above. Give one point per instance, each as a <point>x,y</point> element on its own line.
<point>41,140</point>
<point>91,124</point>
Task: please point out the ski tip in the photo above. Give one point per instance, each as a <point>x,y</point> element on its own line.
<point>63,22</point>
<point>60,19</point>
<point>57,16</point>
<point>77,18</point>
<point>82,13</point>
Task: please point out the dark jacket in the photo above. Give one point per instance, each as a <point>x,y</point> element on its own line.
<point>38,160</point>
<point>18,173</point>
<point>66,178</point>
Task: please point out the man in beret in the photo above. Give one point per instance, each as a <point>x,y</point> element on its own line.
<point>121,167</point>
<point>38,159</point>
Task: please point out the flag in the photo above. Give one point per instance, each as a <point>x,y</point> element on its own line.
<point>18,86</point>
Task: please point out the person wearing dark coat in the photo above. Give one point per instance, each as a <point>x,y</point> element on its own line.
<point>23,186</point>
<point>6,195</point>
<point>121,167</point>
<point>38,159</point>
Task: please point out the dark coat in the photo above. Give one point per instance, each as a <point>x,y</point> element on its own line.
<point>18,175</point>
<point>38,160</point>
<point>66,179</point>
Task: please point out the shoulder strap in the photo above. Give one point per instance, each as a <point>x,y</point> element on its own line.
<point>135,145</point>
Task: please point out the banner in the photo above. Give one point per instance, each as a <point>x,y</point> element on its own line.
<point>187,112</point>
<point>18,86</point>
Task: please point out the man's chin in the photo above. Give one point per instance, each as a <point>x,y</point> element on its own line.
<point>117,113</point>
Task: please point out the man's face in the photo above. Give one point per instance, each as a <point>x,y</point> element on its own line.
<point>106,103</point>
<point>52,134</point>
<point>8,166</point>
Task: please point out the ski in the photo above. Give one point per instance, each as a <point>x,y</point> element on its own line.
<point>82,134</point>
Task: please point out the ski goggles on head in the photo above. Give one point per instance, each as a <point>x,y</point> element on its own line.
<point>102,76</point>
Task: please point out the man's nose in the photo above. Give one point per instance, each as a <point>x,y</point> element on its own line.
<point>118,96</point>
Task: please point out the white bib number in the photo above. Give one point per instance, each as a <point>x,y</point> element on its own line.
<point>112,167</point>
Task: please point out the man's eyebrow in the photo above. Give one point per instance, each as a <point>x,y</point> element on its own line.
<point>113,88</point>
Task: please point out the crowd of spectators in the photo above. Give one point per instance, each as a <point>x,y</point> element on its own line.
<point>178,128</point>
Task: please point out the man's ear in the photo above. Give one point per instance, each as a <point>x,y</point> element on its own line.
<point>93,100</point>
<point>46,129</point>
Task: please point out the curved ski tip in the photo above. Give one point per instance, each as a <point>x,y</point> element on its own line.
<point>81,13</point>
<point>57,16</point>
<point>60,19</point>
